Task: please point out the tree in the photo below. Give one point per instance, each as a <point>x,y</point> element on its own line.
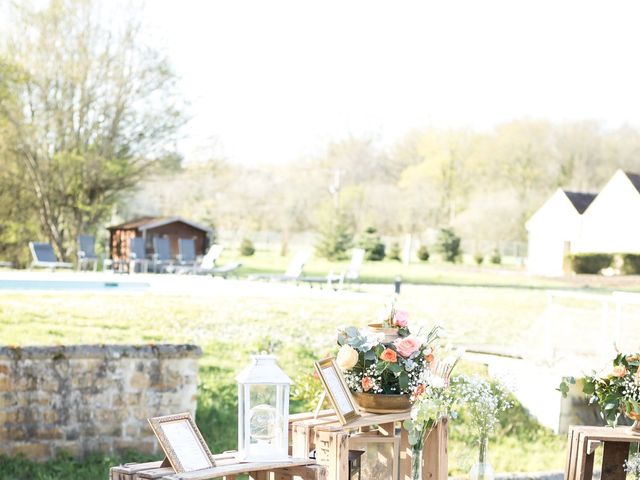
<point>335,237</point>
<point>449,245</point>
<point>372,244</point>
<point>90,108</point>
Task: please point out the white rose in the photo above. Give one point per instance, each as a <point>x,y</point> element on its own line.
<point>347,357</point>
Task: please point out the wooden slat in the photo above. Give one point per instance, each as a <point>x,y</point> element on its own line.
<point>615,453</point>
<point>435,452</point>
<point>236,469</point>
<point>570,467</point>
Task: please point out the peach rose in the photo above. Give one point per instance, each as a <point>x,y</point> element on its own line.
<point>407,346</point>
<point>367,384</point>
<point>347,357</point>
<point>619,371</point>
<point>419,390</point>
<point>401,318</point>
<point>429,356</point>
<point>389,355</point>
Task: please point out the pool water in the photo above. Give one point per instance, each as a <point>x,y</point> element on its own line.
<point>73,285</point>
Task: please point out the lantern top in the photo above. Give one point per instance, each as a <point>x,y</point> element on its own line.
<point>263,370</point>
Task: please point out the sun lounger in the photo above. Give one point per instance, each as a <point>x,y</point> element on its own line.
<point>293,272</point>
<point>87,252</point>
<point>44,257</point>
<point>137,255</point>
<point>208,264</point>
<point>187,249</point>
<point>162,255</point>
<point>352,274</point>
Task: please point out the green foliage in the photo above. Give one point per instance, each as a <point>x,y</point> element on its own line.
<point>631,264</point>
<point>478,257</point>
<point>423,253</point>
<point>246,248</point>
<point>372,244</point>
<point>449,245</point>
<point>590,263</point>
<point>394,252</point>
<point>335,238</point>
<point>496,258</point>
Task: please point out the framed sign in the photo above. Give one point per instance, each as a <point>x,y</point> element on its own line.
<point>182,442</point>
<point>337,390</point>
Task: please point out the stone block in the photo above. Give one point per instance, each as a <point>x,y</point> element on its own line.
<point>139,381</point>
<point>33,451</point>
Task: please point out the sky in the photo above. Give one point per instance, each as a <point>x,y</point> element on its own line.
<point>276,80</point>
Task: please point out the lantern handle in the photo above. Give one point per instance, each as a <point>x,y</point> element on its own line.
<point>323,397</point>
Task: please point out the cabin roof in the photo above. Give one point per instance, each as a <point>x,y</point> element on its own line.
<point>147,223</point>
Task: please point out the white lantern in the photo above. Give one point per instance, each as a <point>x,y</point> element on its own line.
<point>263,411</point>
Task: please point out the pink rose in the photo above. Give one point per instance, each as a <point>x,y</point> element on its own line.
<point>401,318</point>
<point>407,346</point>
<point>619,371</point>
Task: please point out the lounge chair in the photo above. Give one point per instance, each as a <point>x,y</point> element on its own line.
<point>187,249</point>
<point>162,260</point>
<point>293,272</point>
<point>137,255</point>
<point>208,266</point>
<point>352,274</point>
<point>44,257</point>
<point>87,252</point>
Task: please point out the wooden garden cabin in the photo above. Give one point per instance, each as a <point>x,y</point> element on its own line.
<point>172,228</point>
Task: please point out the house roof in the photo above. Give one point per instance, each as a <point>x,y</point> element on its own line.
<point>580,200</point>
<point>635,179</point>
<point>146,223</point>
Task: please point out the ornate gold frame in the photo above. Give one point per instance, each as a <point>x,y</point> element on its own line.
<point>354,413</point>
<point>170,453</point>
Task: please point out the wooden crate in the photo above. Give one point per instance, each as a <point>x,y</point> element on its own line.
<point>583,443</point>
<point>332,442</point>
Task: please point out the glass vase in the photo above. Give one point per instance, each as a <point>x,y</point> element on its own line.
<point>482,470</point>
<point>416,462</point>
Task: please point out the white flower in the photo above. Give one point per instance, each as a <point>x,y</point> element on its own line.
<point>347,357</point>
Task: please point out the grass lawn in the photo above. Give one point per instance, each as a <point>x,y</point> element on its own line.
<point>301,328</point>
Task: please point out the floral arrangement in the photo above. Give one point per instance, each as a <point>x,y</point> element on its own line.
<point>372,364</point>
<point>616,389</point>
<point>483,401</point>
<point>632,466</point>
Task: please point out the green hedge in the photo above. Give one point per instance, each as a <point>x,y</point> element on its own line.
<point>631,263</point>
<point>590,262</point>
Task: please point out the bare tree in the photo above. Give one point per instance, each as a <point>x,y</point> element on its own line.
<point>91,107</point>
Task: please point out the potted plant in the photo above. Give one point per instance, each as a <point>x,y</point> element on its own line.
<point>383,364</point>
<point>616,390</point>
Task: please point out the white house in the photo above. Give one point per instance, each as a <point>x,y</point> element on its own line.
<point>553,231</point>
<point>572,222</point>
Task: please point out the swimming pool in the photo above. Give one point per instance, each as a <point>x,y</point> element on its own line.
<point>113,285</point>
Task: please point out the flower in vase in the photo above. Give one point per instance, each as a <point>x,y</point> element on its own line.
<point>347,357</point>
<point>389,355</point>
<point>429,357</point>
<point>619,371</point>
<point>367,384</point>
<point>407,346</point>
<point>401,318</point>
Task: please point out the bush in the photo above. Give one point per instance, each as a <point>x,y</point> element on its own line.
<point>246,248</point>
<point>372,244</point>
<point>591,263</point>
<point>449,245</point>
<point>478,257</point>
<point>496,258</point>
<point>336,239</point>
<point>631,263</point>
<point>423,253</point>
<point>394,252</point>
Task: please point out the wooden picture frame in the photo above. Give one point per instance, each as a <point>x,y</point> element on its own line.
<point>337,390</point>
<point>182,443</point>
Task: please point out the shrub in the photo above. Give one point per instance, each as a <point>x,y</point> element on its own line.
<point>478,257</point>
<point>496,258</point>
<point>631,263</point>
<point>423,253</point>
<point>449,245</point>
<point>336,239</point>
<point>372,244</point>
<point>394,252</point>
<point>583,263</point>
<point>246,248</point>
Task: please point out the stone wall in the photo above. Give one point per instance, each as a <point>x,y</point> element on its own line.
<point>86,398</point>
